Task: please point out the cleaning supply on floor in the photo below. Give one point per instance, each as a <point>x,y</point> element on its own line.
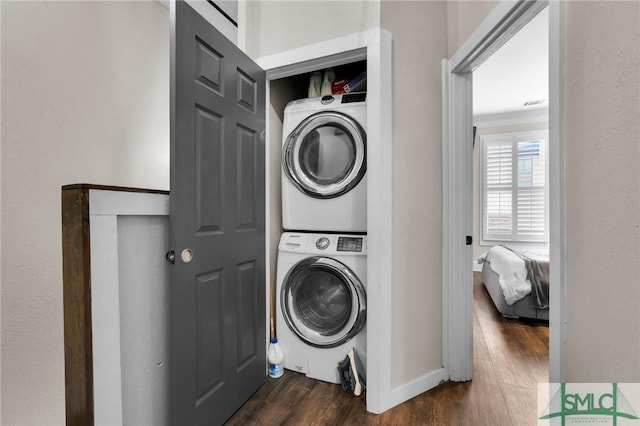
<point>275,358</point>
<point>315,84</point>
<point>351,372</point>
<point>329,77</point>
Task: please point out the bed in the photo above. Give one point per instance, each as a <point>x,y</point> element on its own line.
<point>517,281</point>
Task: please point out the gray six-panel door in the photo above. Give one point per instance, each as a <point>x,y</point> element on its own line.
<point>217,298</point>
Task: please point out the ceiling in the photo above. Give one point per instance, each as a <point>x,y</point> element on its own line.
<point>517,73</point>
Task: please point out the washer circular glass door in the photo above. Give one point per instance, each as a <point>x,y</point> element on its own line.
<point>325,156</point>
<point>323,302</point>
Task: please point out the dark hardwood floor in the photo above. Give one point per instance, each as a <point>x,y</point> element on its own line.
<point>510,357</point>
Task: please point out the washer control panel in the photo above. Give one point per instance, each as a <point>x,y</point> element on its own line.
<point>354,97</point>
<point>326,100</point>
<point>350,244</point>
<point>322,243</point>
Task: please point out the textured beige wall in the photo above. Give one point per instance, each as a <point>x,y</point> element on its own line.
<point>463,17</point>
<point>417,185</point>
<point>276,26</point>
<point>84,99</point>
<point>602,128</point>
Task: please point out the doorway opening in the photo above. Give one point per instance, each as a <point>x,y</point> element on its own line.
<point>510,211</point>
<point>500,25</point>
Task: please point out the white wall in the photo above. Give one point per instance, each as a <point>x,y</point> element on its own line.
<point>602,124</point>
<point>417,185</point>
<point>477,179</point>
<point>276,26</point>
<point>84,99</point>
<point>144,319</point>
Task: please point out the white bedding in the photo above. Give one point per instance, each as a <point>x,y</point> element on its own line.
<point>511,270</point>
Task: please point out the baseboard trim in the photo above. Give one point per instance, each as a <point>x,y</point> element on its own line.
<point>417,386</point>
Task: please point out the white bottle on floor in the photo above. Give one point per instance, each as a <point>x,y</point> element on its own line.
<point>275,357</point>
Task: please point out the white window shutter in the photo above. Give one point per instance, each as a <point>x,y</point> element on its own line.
<point>498,178</point>
<point>530,190</point>
<point>514,169</point>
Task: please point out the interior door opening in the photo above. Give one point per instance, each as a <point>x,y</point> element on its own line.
<point>510,208</point>
<point>500,25</point>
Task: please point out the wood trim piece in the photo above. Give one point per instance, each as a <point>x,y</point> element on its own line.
<point>76,277</point>
<point>88,186</point>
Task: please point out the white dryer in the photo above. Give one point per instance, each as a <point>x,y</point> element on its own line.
<point>324,164</point>
<point>321,301</point>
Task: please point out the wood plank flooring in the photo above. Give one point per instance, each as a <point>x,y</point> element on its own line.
<point>510,357</point>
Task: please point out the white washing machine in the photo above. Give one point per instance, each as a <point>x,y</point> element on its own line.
<point>321,301</point>
<point>324,164</point>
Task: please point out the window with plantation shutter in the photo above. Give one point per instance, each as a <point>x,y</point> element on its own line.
<point>514,187</point>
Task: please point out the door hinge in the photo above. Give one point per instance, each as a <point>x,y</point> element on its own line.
<point>469,240</point>
<point>171,257</point>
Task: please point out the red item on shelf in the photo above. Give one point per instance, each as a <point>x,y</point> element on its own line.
<point>338,86</point>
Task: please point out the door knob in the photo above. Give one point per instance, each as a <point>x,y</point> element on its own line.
<point>186,255</point>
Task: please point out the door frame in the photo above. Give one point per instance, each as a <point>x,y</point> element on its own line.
<point>505,20</point>
<point>374,46</point>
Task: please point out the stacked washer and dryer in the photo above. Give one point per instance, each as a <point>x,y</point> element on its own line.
<point>322,256</point>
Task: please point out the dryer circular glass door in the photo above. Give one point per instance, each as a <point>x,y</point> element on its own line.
<point>325,156</point>
<point>323,302</point>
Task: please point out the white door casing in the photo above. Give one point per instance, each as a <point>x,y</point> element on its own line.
<point>506,19</point>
